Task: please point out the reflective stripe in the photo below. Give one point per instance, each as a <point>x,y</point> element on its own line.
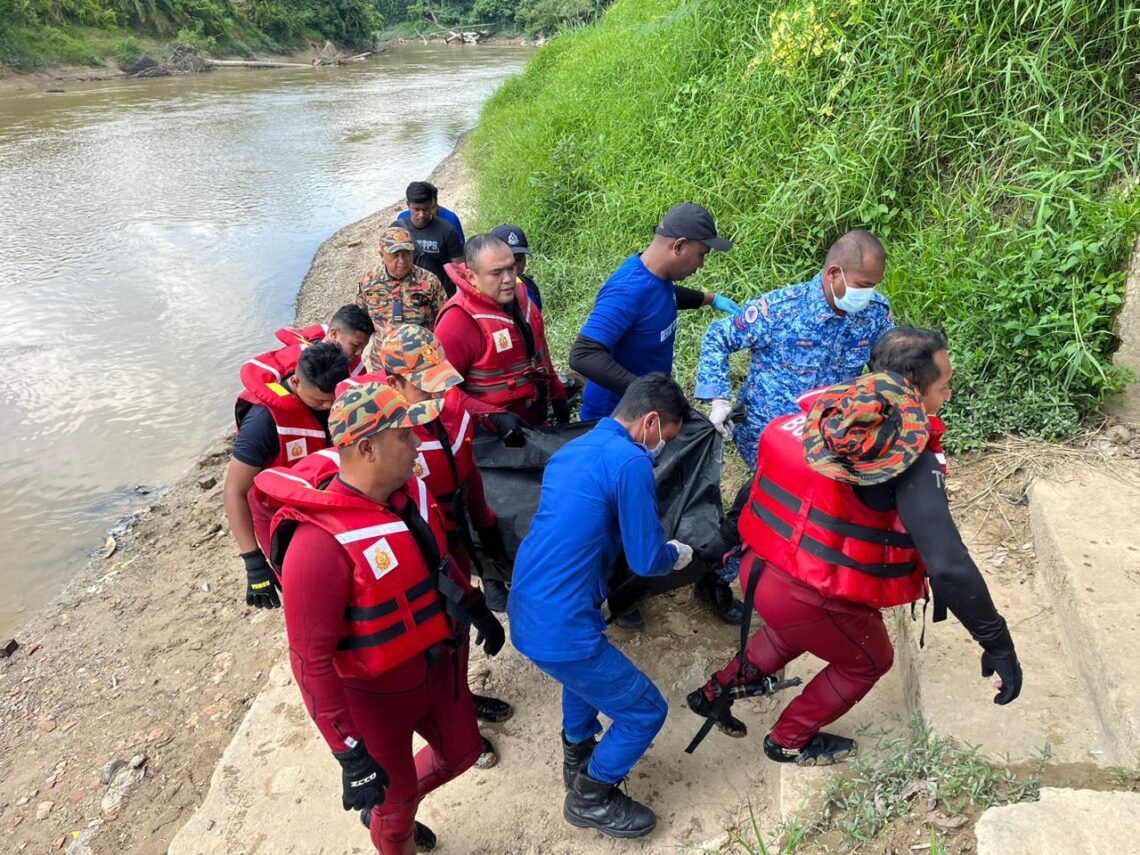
<point>506,319</point>
<point>423,501</point>
<point>271,370</point>
<point>826,553</point>
<point>431,445</point>
<point>290,477</point>
<point>941,457</point>
<point>370,531</point>
<point>359,369</point>
<point>878,536</point>
<point>463,425</point>
<point>292,431</point>
<point>331,453</point>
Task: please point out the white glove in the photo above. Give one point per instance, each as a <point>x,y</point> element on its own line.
<point>684,554</point>
<point>719,417</point>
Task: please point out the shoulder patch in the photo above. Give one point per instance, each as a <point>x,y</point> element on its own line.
<point>752,314</point>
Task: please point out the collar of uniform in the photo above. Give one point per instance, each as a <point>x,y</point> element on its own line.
<point>652,275</point>
<point>387,277</point>
<point>613,426</point>
<point>819,305</point>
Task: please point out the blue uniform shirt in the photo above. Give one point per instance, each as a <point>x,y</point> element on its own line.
<point>635,317</point>
<point>798,343</point>
<point>598,496</point>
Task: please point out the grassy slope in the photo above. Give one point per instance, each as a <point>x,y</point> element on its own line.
<point>993,144</point>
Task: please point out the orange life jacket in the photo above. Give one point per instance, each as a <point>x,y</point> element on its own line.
<point>395,609</point>
<point>816,529</point>
<point>311,335</point>
<point>444,462</point>
<point>298,430</point>
<point>505,375</point>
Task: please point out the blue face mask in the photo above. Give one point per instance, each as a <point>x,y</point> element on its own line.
<point>854,300</point>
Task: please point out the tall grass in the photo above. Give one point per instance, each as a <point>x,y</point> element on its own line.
<point>993,144</point>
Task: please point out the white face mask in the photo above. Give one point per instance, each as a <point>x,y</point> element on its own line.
<point>854,300</point>
<point>655,452</point>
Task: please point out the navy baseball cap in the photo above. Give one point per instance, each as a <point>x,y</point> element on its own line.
<point>514,237</point>
<point>693,222</point>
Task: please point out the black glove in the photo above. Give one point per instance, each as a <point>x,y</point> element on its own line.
<point>364,780</point>
<point>509,426</point>
<point>561,412</point>
<point>488,631</point>
<point>491,540</point>
<point>1005,663</point>
<point>262,584</point>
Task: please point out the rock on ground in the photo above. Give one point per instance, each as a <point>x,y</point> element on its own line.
<point>1063,822</point>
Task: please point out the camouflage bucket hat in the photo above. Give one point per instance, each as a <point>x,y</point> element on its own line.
<point>414,353</point>
<point>395,238</point>
<point>372,407</point>
<point>867,431</point>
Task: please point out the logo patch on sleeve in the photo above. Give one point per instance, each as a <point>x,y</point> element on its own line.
<point>751,314</point>
<point>295,449</point>
<point>381,558</point>
<point>502,340</point>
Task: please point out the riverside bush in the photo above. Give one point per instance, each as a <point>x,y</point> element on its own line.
<point>992,144</point>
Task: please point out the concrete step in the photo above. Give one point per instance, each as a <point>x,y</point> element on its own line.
<point>277,788</point>
<point>1053,717</point>
<point>1086,533</point>
<point>1063,822</point>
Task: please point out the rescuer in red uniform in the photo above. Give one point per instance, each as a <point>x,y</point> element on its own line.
<point>374,611</point>
<point>282,417</point>
<point>849,515</point>
<point>493,334</point>
<point>350,328</point>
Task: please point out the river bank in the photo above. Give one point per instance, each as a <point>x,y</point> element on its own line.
<point>55,76</point>
<point>150,655</point>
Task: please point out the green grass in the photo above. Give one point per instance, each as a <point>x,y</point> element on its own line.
<point>907,770</point>
<point>993,144</point>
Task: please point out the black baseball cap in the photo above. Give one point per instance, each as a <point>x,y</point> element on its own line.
<point>694,222</point>
<point>512,236</point>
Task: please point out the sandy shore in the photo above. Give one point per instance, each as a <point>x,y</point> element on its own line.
<point>151,655</point>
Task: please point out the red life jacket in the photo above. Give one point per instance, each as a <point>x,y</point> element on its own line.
<point>505,375</point>
<point>395,610</point>
<point>445,462</point>
<point>815,528</point>
<point>311,335</point>
<point>316,470</point>
<point>298,430</point>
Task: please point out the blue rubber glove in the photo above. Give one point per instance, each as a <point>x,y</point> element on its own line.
<point>723,304</point>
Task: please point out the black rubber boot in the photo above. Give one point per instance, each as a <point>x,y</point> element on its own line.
<point>711,589</point>
<point>423,836</point>
<point>575,757</point>
<point>495,593</point>
<point>632,620</point>
<point>492,709</point>
<point>489,757</point>
<point>595,804</point>
<point>823,749</point>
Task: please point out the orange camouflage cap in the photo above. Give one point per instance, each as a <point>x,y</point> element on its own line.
<point>363,410</point>
<point>866,431</point>
<point>395,238</point>
<point>414,353</point>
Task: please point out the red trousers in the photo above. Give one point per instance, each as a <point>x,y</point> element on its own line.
<point>850,637</point>
<point>433,702</point>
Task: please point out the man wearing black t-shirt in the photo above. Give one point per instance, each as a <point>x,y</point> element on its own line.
<point>437,241</point>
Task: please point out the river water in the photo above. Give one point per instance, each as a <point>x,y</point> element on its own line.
<point>153,234</point>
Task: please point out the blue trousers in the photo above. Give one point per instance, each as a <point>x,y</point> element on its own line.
<point>612,685</point>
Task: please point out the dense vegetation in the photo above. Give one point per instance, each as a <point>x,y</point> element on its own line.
<point>993,144</point>
<point>43,31</point>
<point>38,32</point>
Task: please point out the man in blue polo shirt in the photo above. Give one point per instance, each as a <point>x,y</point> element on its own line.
<point>598,497</point>
<point>631,331</point>
<point>632,327</point>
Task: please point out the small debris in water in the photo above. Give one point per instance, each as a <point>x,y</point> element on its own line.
<point>109,547</point>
